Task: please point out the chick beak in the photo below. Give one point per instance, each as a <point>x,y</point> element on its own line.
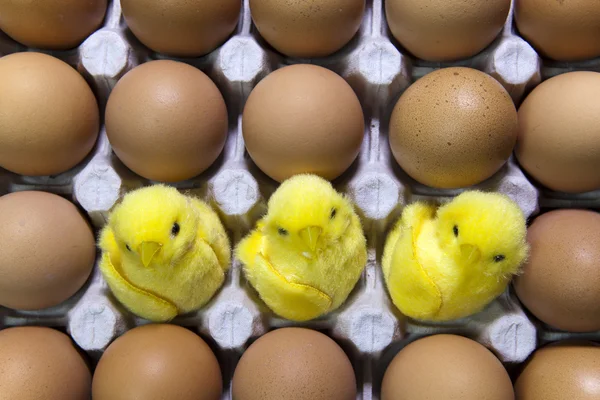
<point>469,253</point>
<point>310,236</point>
<point>148,251</point>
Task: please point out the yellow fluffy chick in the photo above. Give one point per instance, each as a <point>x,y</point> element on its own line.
<point>450,262</point>
<point>164,253</point>
<point>306,255</point>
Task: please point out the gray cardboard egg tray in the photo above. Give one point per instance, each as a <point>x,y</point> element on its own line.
<point>368,326</point>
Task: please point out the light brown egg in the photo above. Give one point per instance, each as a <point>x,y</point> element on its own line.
<point>51,24</point>
<point>446,367</point>
<point>446,30</point>
<point>307,29</point>
<point>453,128</point>
<point>560,283</point>
<point>156,362</point>
<point>166,121</point>
<point>47,250</point>
<point>41,363</point>
<point>294,364</point>
<point>567,370</point>
<point>303,119</point>
<point>49,120</point>
<point>560,30</point>
<point>188,28</point>
<point>559,132</point>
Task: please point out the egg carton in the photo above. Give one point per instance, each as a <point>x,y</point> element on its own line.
<point>368,326</point>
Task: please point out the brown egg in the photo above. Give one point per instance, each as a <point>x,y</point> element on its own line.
<point>561,30</point>
<point>446,30</point>
<point>51,24</point>
<point>166,121</point>
<point>446,367</point>
<point>49,119</point>
<point>303,119</point>
<point>41,363</point>
<point>156,362</point>
<point>47,250</point>
<point>560,283</point>
<point>294,364</point>
<point>559,372</point>
<point>307,29</point>
<point>188,28</point>
<point>559,132</point>
<point>453,128</point>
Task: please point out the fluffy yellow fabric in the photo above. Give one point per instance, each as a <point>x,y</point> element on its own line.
<point>450,262</point>
<point>306,255</point>
<point>164,253</point>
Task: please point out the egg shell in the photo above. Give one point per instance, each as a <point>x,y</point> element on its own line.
<point>560,283</point>
<point>166,121</point>
<point>453,128</point>
<point>294,364</point>
<point>307,29</point>
<point>156,362</point>
<point>47,250</point>
<point>446,30</point>
<point>559,132</point>
<point>41,363</point>
<point>188,28</point>
<point>303,119</point>
<point>446,367</point>
<point>560,30</point>
<point>49,119</point>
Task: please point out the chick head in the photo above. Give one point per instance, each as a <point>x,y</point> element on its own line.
<point>155,224</point>
<point>307,215</point>
<point>484,229</point>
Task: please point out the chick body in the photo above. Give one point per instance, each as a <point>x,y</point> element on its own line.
<point>450,262</point>
<point>164,253</point>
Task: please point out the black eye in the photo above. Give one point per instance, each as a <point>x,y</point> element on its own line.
<point>175,229</point>
<point>127,247</point>
<point>455,230</point>
<point>333,213</point>
<point>499,258</point>
<point>282,231</point>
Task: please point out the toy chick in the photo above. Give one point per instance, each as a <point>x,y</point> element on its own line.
<point>163,253</point>
<point>306,255</point>
<point>449,262</point>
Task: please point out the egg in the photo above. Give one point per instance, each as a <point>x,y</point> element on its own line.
<point>294,363</point>
<point>51,24</point>
<point>446,367</point>
<point>560,283</point>
<point>47,250</point>
<point>41,363</point>
<point>453,128</point>
<point>188,28</point>
<point>156,362</point>
<point>559,132</point>
<point>560,30</point>
<point>303,119</point>
<point>166,121</point>
<point>307,29</point>
<point>49,119</point>
<point>566,370</point>
<point>446,30</point>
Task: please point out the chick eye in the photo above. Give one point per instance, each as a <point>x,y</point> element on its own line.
<point>333,213</point>
<point>282,232</point>
<point>455,230</point>
<point>175,229</point>
<point>499,258</point>
<point>127,247</point>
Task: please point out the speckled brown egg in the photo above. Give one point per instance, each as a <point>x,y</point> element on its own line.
<point>49,118</point>
<point>560,30</point>
<point>188,28</point>
<point>446,367</point>
<point>41,363</point>
<point>307,29</point>
<point>294,364</point>
<point>559,132</point>
<point>567,370</point>
<point>51,24</point>
<point>446,30</point>
<point>166,121</point>
<point>303,119</point>
<point>453,128</point>
<point>560,283</point>
<point>157,362</point>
